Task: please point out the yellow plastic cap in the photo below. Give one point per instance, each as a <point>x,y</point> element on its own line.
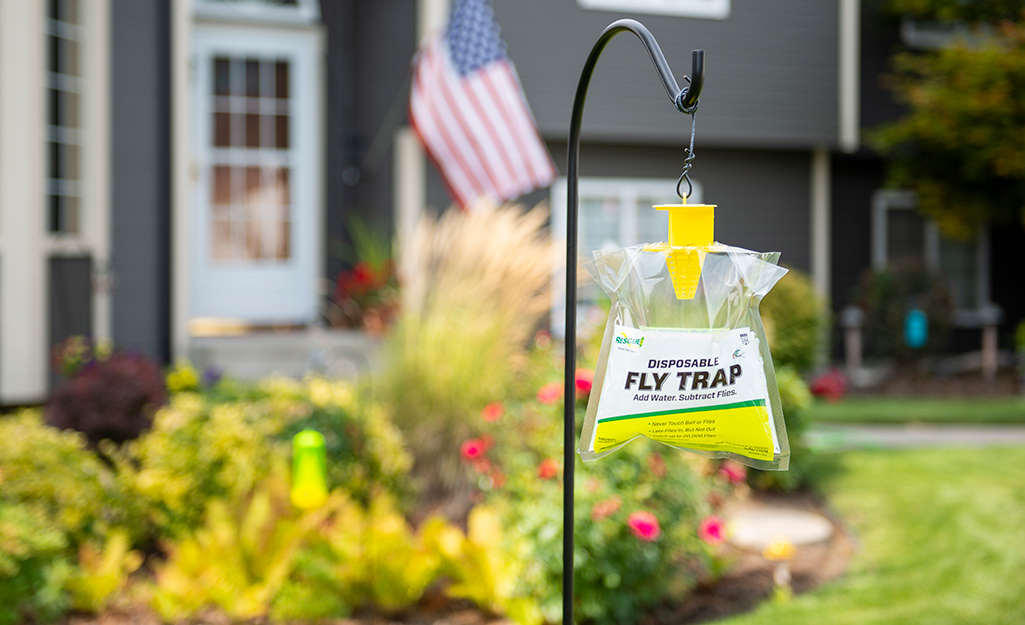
<point>690,224</point>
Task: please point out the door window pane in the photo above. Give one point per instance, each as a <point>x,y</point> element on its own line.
<point>250,198</point>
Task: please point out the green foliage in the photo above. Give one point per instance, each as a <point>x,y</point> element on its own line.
<point>481,567</point>
<point>476,286</point>
<point>957,10</point>
<point>33,565</point>
<point>102,572</point>
<point>66,485</point>
<point>796,321</point>
<point>621,573</point>
<point>222,444</point>
<point>238,560</point>
<point>959,146</point>
<point>796,399</point>
<point>887,296</point>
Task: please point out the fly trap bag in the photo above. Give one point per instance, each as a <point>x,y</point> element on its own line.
<point>684,360</point>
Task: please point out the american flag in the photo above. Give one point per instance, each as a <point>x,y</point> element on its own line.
<point>468,108</point>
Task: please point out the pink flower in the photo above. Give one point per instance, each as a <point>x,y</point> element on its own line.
<point>605,508</point>
<point>492,412</point>
<point>712,530</point>
<point>548,468</point>
<point>550,393</point>
<point>585,380</point>
<point>644,525</point>
<point>734,472</point>
<point>473,449</point>
<point>543,339</point>
<point>482,465</point>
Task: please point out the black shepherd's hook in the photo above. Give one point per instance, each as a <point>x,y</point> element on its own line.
<point>686,101</point>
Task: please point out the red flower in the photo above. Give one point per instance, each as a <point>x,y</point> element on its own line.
<point>605,508</point>
<point>481,465</point>
<point>473,449</point>
<point>734,472</point>
<point>585,380</point>
<point>497,478</point>
<point>644,525</point>
<point>832,385</point>
<point>548,468</point>
<point>550,393</point>
<point>492,412</point>
<point>712,530</point>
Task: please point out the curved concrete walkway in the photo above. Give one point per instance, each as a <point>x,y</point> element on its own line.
<point>829,437</point>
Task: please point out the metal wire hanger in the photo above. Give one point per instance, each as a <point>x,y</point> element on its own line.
<point>689,161</point>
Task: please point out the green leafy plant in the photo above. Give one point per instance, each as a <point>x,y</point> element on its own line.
<point>476,286</point>
<point>238,560</point>
<point>795,399</point>
<point>102,572</point>
<point>958,144</point>
<point>639,511</point>
<point>796,321</point>
<point>33,565</point>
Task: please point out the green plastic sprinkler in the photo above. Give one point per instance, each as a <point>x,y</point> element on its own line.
<point>691,234</point>
<point>309,470</point>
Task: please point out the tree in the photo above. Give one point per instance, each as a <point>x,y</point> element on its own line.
<point>961,145</point>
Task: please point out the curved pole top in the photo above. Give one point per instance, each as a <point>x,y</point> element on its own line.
<point>686,99</point>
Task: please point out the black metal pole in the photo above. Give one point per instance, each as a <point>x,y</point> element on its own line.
<point>686,101</point>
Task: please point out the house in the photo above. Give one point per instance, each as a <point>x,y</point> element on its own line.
<point>176,168</point>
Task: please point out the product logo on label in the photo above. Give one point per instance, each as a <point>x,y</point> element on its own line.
<point>623,339</point>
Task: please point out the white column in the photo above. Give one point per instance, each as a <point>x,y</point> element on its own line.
<point>409,181</point>
<point>96,159</point>
<point>849,56</point>
<point>181,175</point>
<point>24,356</point>
<point>821,209</point>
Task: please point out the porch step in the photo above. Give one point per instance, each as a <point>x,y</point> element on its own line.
<point>292,353</point>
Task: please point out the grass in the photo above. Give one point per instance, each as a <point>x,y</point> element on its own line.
<point>920,410</point>
<point>940,541</point>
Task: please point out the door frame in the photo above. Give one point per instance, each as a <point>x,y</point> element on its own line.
<point>306,181</point>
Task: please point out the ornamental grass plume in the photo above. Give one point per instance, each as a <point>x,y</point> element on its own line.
<point>475,288</point>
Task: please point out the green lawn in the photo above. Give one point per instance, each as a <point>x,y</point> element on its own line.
<point>941,541</point>
<point>920,409</point>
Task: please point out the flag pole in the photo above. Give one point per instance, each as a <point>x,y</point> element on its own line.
<point>686,101</point>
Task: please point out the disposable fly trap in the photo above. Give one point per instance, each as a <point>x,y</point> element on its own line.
<point>684,360</point>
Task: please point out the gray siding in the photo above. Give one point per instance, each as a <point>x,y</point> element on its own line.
<point>70,300</point>
<point>762,196</point>
<point>140,189</point>
<point>385,43</point>
<point>771,72</point>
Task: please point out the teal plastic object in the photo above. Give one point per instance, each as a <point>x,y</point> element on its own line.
<point>916,329</point>
<point>309,470</point>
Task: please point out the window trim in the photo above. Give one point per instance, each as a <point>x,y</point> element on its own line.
<point>304,13</point>
<point>701,9</point>
<point>885,200</point>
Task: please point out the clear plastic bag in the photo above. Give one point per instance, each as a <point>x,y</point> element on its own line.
<point>692,371</point>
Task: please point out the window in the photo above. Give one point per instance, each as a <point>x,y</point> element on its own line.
<point>251,159</point>
<point>708,9</point>
<point>64,82</point>
<point>899,232</point>
<point>613,213</point>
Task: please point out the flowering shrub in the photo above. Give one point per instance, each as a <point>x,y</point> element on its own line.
<point>831,385</point>
<point>638,517</point>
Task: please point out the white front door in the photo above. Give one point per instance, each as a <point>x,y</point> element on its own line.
<point>255,206</point>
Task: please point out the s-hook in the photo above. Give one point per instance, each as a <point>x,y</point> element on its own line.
<point>686,101</point>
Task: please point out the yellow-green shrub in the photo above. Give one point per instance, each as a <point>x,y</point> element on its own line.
<point>796,321</point>
<point>102,572</point>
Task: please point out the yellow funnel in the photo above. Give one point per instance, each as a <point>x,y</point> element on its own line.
<point>690,226</point>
